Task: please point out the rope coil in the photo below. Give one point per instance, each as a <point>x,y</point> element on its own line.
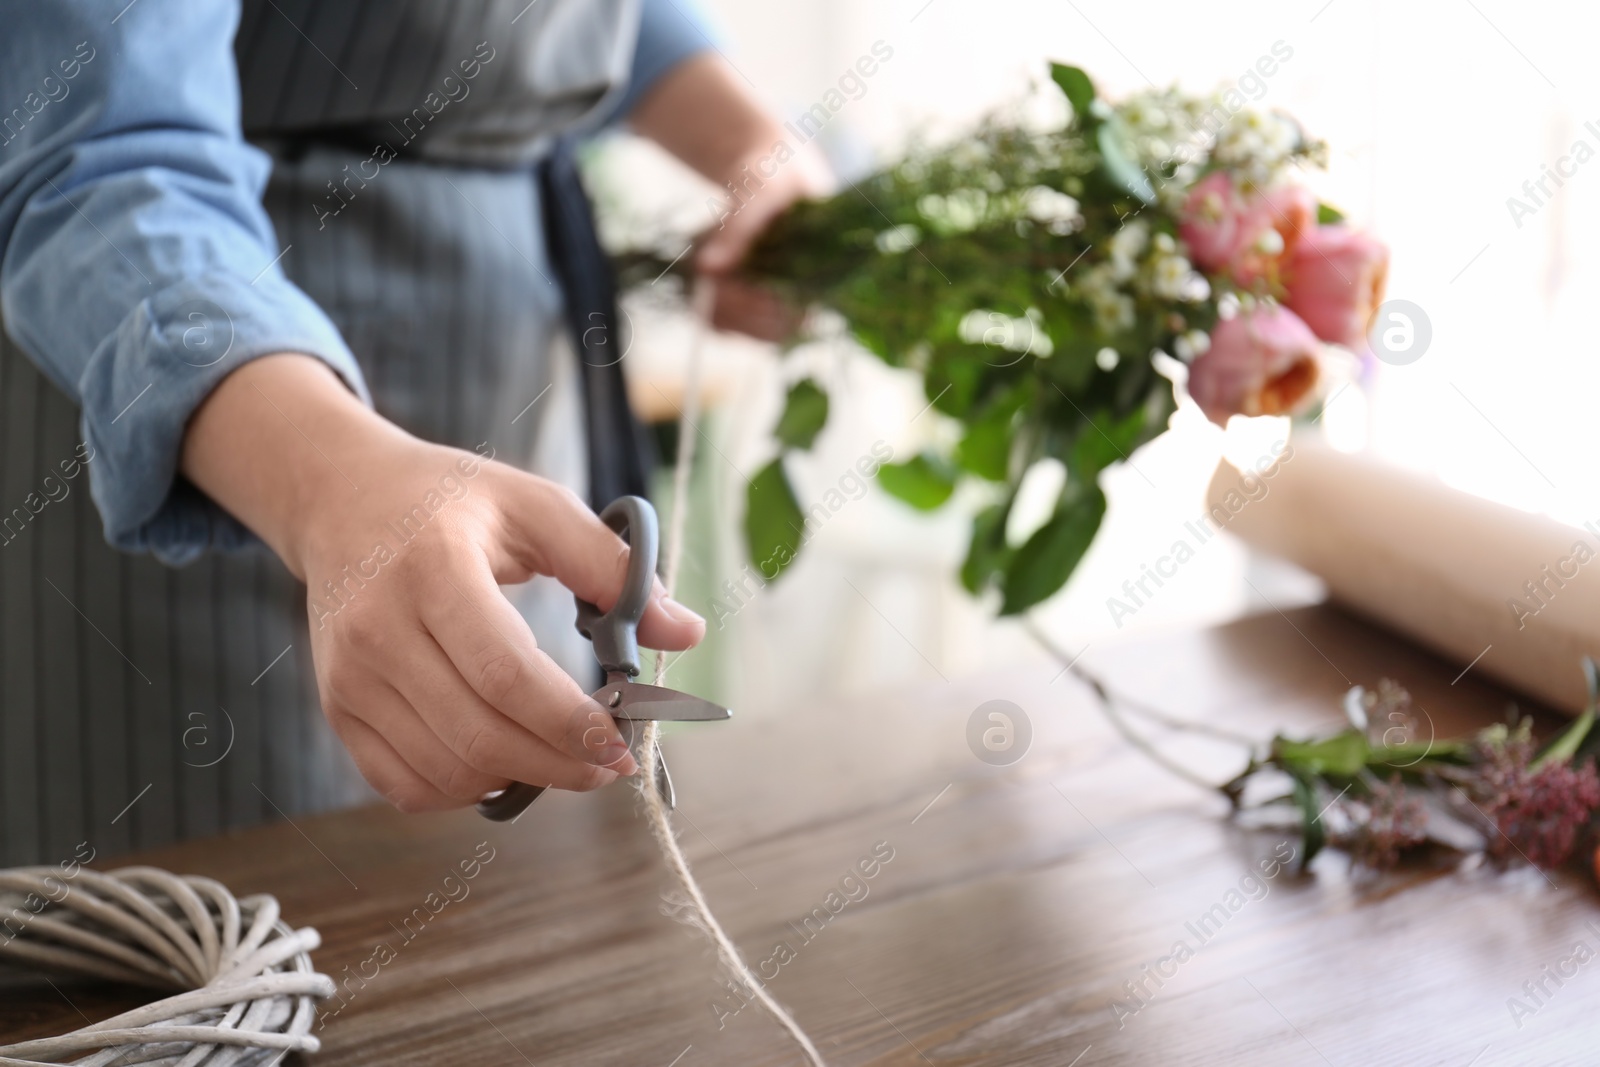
<point>242,988</point>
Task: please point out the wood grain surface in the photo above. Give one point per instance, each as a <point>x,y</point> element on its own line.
<point>1019,905</point>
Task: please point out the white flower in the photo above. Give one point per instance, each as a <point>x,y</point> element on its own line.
<point>1113,309</point>
<point>970,154</point>
<point>1043,204</point>
<point>1024,335</point>
<point>1257,144</point>
<point>1169,276</point>
<point>959,212</point>
<point>1189,346</point>
<point>1127,245</point>
<point>897,239</point>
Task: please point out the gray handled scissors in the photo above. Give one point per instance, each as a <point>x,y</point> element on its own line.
<point>615,635</point>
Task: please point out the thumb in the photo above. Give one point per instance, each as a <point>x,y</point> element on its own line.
<point>557,535</point>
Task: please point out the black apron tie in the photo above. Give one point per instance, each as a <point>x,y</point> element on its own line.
<point>621,453</point>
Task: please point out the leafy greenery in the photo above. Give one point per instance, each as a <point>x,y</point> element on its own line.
<point>804,415</point>
<point>924,481</point>
<point>773,523</point>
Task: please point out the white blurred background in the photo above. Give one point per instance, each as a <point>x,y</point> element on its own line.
<point>1436,113</point>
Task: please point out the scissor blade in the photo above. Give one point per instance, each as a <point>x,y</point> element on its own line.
<point>637,701</point>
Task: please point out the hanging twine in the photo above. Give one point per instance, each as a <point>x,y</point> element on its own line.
<point>655,805</point>
<point>241,979</point>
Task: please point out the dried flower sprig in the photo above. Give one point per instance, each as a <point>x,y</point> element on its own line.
<point>1379,791</point>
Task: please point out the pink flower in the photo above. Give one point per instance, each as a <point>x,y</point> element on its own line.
<point>1335,277</point>
<point>1244,235</point>
<point>1261,362</point>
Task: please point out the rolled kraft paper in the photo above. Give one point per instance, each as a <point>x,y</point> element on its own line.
<point>1456,573</point>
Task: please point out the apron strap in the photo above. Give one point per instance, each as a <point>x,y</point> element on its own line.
<point>621,454</point>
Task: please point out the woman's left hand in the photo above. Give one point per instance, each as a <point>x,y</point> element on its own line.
<point>703,112</point>
<point>741,305</point>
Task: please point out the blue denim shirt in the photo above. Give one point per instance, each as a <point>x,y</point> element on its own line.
<point>130,215</point>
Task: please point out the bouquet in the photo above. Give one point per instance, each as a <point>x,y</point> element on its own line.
<point>1050,287</point>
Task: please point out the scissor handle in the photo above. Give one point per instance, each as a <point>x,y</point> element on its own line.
<point>615,633</point>
<point>510,802</point>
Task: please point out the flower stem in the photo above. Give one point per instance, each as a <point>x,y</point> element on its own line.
<point>1109,706</point>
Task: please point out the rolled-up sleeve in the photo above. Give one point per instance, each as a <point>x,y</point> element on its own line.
<point>139,267</point>
<point>670,31</point>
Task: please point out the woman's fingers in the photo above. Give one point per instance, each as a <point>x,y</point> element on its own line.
<point>754,310</point>
<point>561,537</point>
<point>491,742</point>
<point>383,768</point>
<point>494,653</point>
<point>386,711</point>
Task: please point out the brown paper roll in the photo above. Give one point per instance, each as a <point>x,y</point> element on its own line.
<point>1454,572</point>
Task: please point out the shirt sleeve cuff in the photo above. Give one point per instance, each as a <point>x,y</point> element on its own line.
<point>143,384</point>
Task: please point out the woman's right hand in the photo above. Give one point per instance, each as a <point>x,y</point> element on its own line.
<point>426,671</point>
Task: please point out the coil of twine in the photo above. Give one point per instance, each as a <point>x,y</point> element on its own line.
<point>242,987</point>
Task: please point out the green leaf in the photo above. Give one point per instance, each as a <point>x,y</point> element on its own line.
<point>1342,755</point>
<point>1328,216</point>
<point>924,481</point>
<point>1076,84</point>
<point>804,414</point>
<point>1572,739</point>
<point>1313,837</point>
<point>1417,756</point>
<point>1048,558</point>
<point>988,553</point>
<point>1118,165</point>
<point>1103,441</point>
<point>952,379</point>
<point>1565,746</point>
<point>985,450</point>
<point>773,524</point>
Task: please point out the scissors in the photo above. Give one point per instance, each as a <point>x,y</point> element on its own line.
<point>615,635</point>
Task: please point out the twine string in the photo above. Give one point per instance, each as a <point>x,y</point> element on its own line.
<point>655,805</point>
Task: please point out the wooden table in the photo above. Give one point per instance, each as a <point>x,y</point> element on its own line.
<point>1019,904</point>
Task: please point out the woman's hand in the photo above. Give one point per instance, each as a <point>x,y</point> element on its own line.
<point>428,674</point>
<point>742,305</point>
<point>702,112</point>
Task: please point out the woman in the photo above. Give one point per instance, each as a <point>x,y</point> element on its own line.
<point>284,285</point>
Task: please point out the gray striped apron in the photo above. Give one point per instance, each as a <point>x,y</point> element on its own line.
<point>140,704</point>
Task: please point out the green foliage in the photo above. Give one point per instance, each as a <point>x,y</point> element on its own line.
<point>1118,162</point>
<point>988,555</point>
<point>773,523</point>
<point>1312,834</point>
<point>804,414</point>
<point>1572,740</point>
<point>924,481</point>
<point>1076,85</point>
<point>1328,215</point>
<point>1047,559</point>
